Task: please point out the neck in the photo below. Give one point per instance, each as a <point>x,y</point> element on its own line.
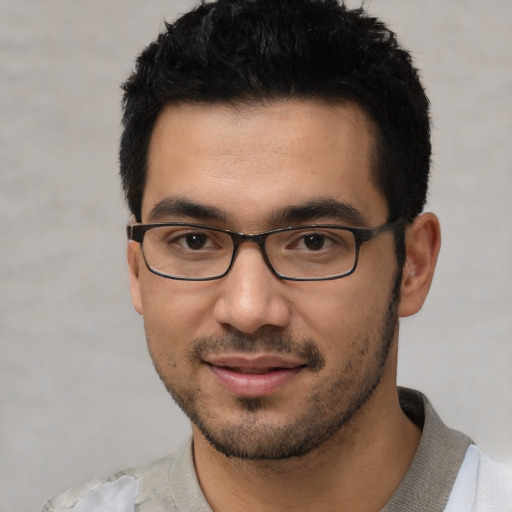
<point>358,469</point>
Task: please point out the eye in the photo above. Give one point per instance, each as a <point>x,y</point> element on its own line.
<point>182,239</point>
<point>197,241</point>
<point>314,241</point>
<point>194,240</point>
<point>318,240</point>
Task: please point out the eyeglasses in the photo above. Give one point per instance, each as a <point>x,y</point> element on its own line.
<point>193,252</point>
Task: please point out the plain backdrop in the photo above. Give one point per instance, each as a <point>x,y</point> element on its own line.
<point>78,394</point>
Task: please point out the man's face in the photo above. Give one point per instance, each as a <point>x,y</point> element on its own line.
<point>268,368</point>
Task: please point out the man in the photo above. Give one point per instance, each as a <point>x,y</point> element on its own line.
<point>275,159</point>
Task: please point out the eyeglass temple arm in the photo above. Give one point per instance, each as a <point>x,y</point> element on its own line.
<point>135,232</point>
<point>367,234</point>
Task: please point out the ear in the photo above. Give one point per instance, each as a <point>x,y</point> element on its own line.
<point>134,257</point>
<point>422,244</point>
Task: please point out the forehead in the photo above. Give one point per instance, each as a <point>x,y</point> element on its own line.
<point>248,161</point>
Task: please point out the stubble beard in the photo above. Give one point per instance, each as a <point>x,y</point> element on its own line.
<point>324,414</point>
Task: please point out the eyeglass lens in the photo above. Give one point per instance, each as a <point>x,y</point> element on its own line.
<point>198,253</point>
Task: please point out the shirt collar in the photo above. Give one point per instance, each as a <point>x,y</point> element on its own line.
<point>426,486</point>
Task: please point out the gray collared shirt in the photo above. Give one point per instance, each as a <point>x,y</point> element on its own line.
<point>170,484</point>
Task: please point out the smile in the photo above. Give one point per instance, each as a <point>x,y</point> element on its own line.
<point>253,377</point>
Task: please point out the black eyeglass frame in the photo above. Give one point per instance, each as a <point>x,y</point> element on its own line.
<point>136,233</point>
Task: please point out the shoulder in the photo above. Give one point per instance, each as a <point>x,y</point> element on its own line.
<point>482,484</point>
<point>120,492</point>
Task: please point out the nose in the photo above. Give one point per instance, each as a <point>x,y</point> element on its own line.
<point>250,295</point>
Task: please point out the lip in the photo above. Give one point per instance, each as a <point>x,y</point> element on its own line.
<point>253,376</point>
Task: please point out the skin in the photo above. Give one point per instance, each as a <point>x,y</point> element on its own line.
<point>246,164</point>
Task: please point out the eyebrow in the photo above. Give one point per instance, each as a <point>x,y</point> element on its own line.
<point>171,207</point>
<point>315,210</point>
<point>176,207</point>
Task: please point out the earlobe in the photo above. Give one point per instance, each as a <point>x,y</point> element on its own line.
<point>423,241</point>
<point>133,257</point>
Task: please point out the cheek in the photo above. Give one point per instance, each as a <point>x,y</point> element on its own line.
<point>167,325</point>
<point>338,304</point>
<point>339,316</point>
<point>175,311</point>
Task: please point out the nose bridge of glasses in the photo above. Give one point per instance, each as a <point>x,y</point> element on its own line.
<point>258,239</point>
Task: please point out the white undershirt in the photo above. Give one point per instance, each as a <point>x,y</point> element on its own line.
<point>482,485</point>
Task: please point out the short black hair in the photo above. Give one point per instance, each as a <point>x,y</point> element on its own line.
<point>263,50</point>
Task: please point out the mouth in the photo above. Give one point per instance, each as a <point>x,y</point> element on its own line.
<point>254,376</point>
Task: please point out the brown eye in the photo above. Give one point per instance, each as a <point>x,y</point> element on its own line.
<point>196,240</point>
<point>314,242</point>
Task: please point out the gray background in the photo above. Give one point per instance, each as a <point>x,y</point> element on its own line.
<point>78,394</point>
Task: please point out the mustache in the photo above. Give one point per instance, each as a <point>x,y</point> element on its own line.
<point>305,349</point>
